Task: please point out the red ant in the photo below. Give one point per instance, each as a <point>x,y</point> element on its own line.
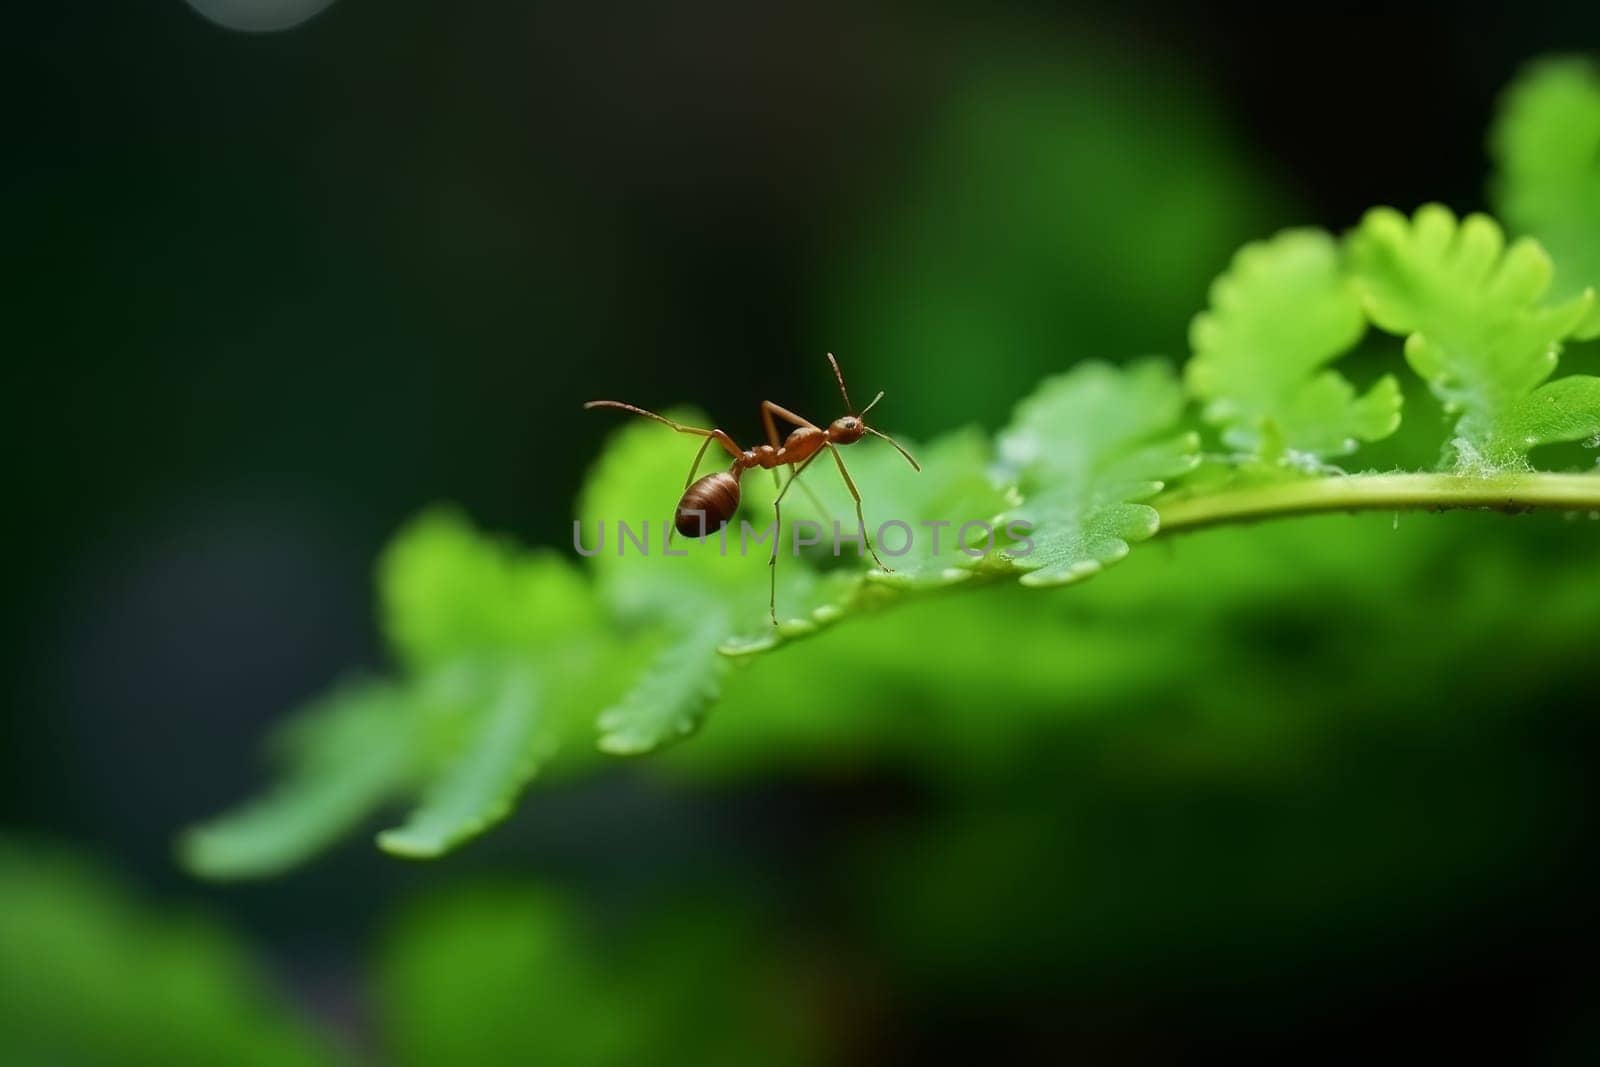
<point>710,502</point>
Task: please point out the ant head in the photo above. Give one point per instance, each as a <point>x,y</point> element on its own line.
<point>846,430</point>
<point>849,429</point>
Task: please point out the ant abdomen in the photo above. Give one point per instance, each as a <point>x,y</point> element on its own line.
<point>707,504</point>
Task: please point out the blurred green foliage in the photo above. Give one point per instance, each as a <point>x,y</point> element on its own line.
<point>350,752</point>
<point>1546,143</point>
<point>530,981</point>
<point>492,975</point>
<point>1055,212</point>
<point>90,978</point>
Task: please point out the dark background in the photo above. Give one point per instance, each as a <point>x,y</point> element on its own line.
<point>268,295</point>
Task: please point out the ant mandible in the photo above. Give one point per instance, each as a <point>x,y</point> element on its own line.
<point>710,502</point>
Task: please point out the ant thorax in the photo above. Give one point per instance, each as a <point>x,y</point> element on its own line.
<point>803,440</point>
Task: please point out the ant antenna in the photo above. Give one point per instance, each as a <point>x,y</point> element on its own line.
<point>848,407</point>
<point>879,433</point>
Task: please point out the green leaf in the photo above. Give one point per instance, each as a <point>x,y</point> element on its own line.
<point>505,643</point>
<point>91,976</point>
<point>1086,448</point>
<point>346,755</point>
<point>1281,313</point>
<point>498,946</point>
<point>478,621</point>
<point>1567,409</point>
<point>1546,144</point>
<point>504,739</point>
<point>670,699</point>
<point>1478,331</point>
<point>449,591</point>
<point>507,975</point>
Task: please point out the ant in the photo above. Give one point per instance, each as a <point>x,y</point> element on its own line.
<point>711,501</point>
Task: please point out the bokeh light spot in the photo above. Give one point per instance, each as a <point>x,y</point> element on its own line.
<point>259,16</point>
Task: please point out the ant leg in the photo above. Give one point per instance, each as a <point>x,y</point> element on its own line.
<point>698,456</point>
<point>719,436</point>
<point>772,429</point>
<point>772,439</point>
<point>861,518</point>
<point>777,535</point>
<point>769,409</point>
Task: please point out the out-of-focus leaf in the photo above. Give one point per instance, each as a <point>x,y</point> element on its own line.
<point>505,736</point>
<point>669,700</point>
<point>450,591</point>
<point>1053,209</point>
<point>87,977</point>
<point>508,976</point>
<point>1546,143</point>
<point>343,758</point>
<point>1478,329</point>
<point>1284,310</point>
<point>503,646</point>
<point>521,988</point>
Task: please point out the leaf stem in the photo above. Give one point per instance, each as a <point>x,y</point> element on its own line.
<point>1194,510</point>
<point>1511,492</point>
